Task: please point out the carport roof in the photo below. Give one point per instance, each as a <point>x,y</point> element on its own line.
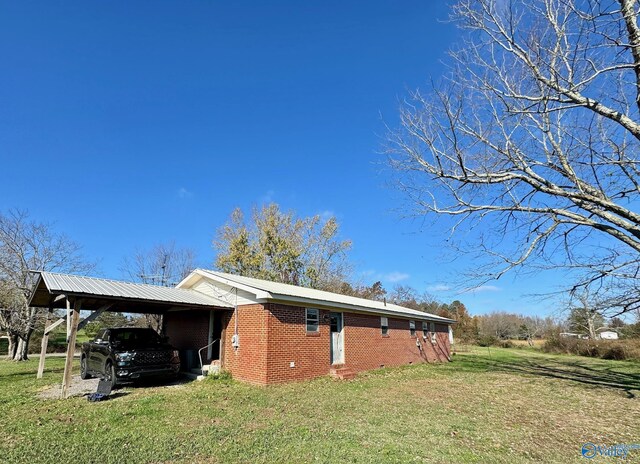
<point>124,296</point>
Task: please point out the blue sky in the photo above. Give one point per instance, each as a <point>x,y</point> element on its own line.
<point>134,123</point>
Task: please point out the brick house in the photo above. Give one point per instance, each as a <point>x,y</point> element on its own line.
<point>266,332</point>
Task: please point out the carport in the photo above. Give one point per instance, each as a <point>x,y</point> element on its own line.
<point>78,293</point>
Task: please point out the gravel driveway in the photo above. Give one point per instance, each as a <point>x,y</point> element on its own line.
<point>78,387</point>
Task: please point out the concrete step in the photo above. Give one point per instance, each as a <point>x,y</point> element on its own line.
<point>192,375</point>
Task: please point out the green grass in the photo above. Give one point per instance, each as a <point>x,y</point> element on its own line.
<point>487,406</point>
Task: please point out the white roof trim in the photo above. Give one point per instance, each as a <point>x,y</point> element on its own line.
<point>274,291</point>
<point>260,294</point>
<point>361,309</point>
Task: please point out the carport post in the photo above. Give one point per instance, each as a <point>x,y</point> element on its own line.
<point>45,342</point>
<point>71,348</point>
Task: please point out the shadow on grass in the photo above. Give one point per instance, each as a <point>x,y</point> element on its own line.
<point>569,369</point>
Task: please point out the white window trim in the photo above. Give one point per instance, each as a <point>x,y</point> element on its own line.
<point>306,320</point>
<point>412,328</point>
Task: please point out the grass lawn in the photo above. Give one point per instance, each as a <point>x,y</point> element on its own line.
<point>497,406</point>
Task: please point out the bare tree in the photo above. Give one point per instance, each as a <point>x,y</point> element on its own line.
<point>164,264</point>
<point>500,325</point>
<point>27,245</point>
<point>535,134</point>
<point>585,315</point>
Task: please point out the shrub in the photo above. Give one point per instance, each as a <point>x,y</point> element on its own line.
<point>222,375</point>
<point>614,351</point>
<point>487,340</point>
<point>605,349</point>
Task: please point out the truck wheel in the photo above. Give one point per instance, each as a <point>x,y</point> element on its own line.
<point>110,374</point>
<point>84,375</point>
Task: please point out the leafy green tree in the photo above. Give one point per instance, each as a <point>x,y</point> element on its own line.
<point>375,291</point>
<point>283,247</point>
<point>466,327</point>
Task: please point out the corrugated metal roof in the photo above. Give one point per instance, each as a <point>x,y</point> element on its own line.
<point>277,289</point>
<point>73,284</point>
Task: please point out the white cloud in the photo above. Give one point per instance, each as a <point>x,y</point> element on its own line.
<point>184,193</point>
<point>483,288</point>
<point>396,276</point>
<point>438,288</point>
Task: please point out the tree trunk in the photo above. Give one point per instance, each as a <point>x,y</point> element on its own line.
<point>13,345</point>
<point>155,321</point>
<point>592,329</point>
<point>19,348</point>
<point>24,352</point>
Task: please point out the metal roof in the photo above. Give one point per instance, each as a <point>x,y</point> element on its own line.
<point>51,284</point>
<point>279,291</point>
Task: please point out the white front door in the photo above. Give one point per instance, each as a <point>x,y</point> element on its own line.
<point>337,338</point>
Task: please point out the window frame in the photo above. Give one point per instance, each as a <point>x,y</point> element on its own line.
<point>384,328</point>
<point>425,328</point>
<point>432,326</point>
<point>306,320</point>
<point>412,328</point>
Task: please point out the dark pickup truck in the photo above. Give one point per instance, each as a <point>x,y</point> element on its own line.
<point>121,355</point>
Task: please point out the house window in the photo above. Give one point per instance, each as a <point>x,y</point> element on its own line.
<point>412,328</point>
<point>425,328</point>
<point>313,320</point>
<point>433,332</point>
<point>384,325</point>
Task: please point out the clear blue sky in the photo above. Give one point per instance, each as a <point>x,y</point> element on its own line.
<point>133,123</point>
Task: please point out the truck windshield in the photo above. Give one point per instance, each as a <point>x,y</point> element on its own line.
<point>135,337</point>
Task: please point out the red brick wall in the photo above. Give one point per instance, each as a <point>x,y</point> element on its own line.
<point>187,330</point>
<point>249,361</point>
<point>290,342</point>
<point>366,348</point>
<point>274,335</point>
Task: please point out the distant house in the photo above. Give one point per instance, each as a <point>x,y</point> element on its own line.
<point>263,332</point>
<point>607,334</point>
<point>570,335</point>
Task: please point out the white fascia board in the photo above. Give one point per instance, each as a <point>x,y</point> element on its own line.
<point>260,294</point>
<point>285,299</point>
<point>189,279</point>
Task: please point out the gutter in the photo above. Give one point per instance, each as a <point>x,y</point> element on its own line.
<point>321,304</point>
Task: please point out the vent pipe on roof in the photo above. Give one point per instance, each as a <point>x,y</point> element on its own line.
<point>384,300</point>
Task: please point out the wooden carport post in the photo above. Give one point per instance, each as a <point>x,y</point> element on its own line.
<point>45,342</point>
<point>71,348</point>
